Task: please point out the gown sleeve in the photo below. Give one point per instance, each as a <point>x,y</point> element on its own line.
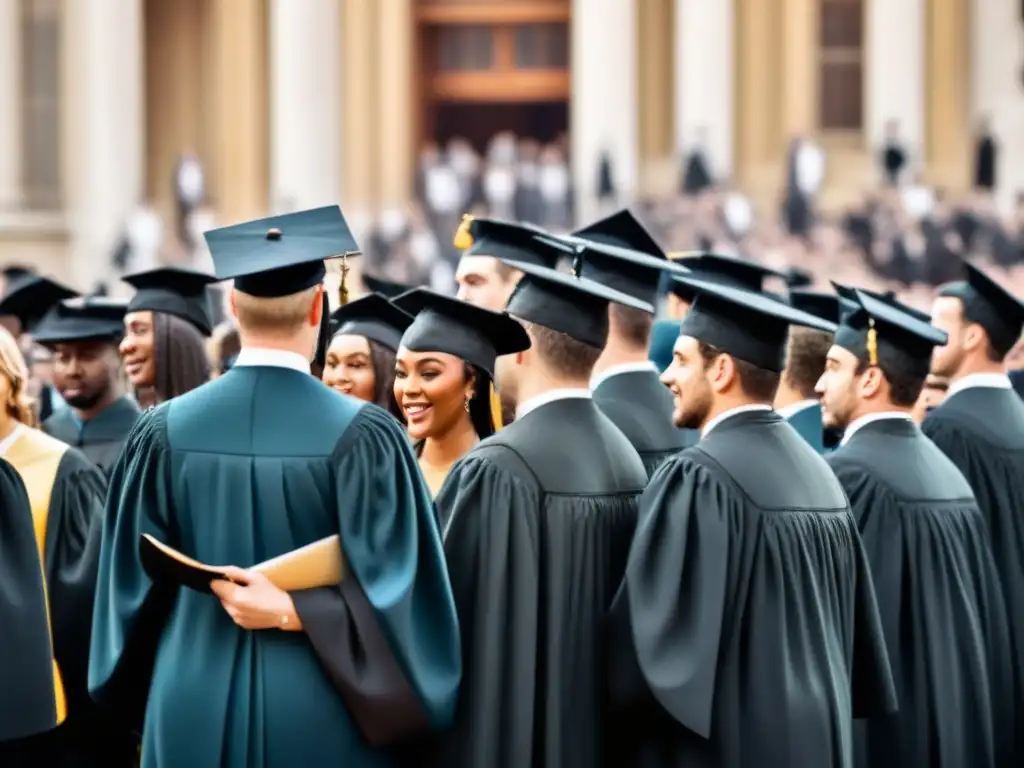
<point>72,559</point>
<point>666,620</point>
<point>492,546</point>
<point>130,611</point>
<point>388,634</point>
<point>27,702</point>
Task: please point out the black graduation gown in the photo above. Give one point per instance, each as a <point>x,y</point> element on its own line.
<point>28,702</point>
<point>746,632</point>
<point>641,406</point>
<point>102,437</point>
<point>982,430</point>
<point>538,520</point>
<point>939,599</point>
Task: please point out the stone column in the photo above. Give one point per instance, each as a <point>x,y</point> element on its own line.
<point>603,108</point>
<point>894,71</point>
<point>11,95</point>
<point>800,68</point>
<point>705,80</point>
<point>358,113</point>
<point>947,100</point>
<point>102,129</point>
<point>305,109</point>
<point>995,79</point>
<point>394,101</point>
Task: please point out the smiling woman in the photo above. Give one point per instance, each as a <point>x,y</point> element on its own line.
<point>443,376</point>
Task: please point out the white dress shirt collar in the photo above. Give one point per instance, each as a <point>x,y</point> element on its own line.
<point>549,397</point>
<point>7,442</point>
<point>972,380</point>
<point>275,358</point>
<point>730,413</point>
<point>791,410</point>
<point>870,418</point>
<point>616,370</point>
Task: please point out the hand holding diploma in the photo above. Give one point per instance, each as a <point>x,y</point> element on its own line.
<point>253,602</point>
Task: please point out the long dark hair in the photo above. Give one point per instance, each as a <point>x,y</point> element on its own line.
<point>480,414</point>
<point>383,361</point>
<point>180,354</point>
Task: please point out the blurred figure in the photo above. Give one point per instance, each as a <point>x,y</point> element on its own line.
<point>986,157</point>
<point>222,348</point>
<point>894,154</point>
<point>932,394</point>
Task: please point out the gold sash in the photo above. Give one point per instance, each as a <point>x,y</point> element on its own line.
<point>37,456</point>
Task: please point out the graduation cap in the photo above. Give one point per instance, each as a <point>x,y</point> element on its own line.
<point>508,241</point>
<point>623,268</point>
<point>828,306</point>
<point>16,272</point>
<point>877,324</point>
<point>744,324</point>
<point>989,305</point>
<point>385,288</point>
<point>373,317</point>
<point>30,297</point>
<point>456,327</point>
<point>173,291</point>
<point>568,303</point>
<point>849,294</point>
<point>724,270</point>
<point>82,319</point>
<point>622,229</point>
<point>796,277</point>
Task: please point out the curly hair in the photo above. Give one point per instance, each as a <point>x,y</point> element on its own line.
<point>19,405</point>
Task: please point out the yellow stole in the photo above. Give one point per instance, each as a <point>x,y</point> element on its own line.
<point>37,456</point>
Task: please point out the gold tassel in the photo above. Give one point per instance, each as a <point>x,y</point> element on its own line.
<point>343,285</point>
<point>496,409</point>
<point>463,237</point>
<point>872,342</point>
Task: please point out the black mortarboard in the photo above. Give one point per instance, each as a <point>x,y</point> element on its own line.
<point>82,319</point>
<point>744,324</point>
<point>373,317</point>
<point>989,305</point>
<point>573,305</point>
<point>455,327</point>
<point>506,240</point>
<point>30,297</point>
<point>385,288</point>
<point>173,291</point>
<point>849,294</point>
<point>723,270</point>
<point>622,229</point>
<point>828,306</point>
<point>876,323</point>
<point>280,255</point>
<point>16,271</point>
<point>796,277</point>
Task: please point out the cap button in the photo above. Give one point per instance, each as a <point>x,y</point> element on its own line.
<point>273,233</point>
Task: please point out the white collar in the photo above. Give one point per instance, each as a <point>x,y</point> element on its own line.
<point>275,358</point>
<point>549,397</point>
<point>615,370</point>
<point>732,412</point>
<point>791,410</point>
<point>972,380</point>
<point>870,418</point>
<point>7,442</point>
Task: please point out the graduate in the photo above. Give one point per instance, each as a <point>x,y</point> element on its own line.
<point>483,278</point>
<point>84,335</point>
<point>537,523</point>
<point>386,288</point>
<point>360,356</point>
<point>980,426</point>
<point>30,704</point>
<point>66,493</point>
<point>806,351</point>
<point>938,591</point>
<point>746,632</point>
<point>261,461</point>
<point>619,253</point>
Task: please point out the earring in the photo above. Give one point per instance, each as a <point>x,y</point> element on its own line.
<point>466,404</point>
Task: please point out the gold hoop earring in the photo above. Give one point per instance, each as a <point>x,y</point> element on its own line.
<point>466,404</point>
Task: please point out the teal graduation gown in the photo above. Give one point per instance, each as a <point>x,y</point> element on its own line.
<point>807,423</point>
<point>255,464</point>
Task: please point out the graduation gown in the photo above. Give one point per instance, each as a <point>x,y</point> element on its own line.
<point>29,701</point>
<point>807,423</point>
<point>641,406</point>
<point>66,494</point>
<point>663,338</point>
<point>102,437</point>
<point>257,463</point>
<point>982,430</point>
<point>939,599</point>
<point>746,632</point>
<point>538,520</point>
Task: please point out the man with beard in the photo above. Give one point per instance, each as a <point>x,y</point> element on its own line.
<point>84,335</point>
<point>938,591</point>
<point>980,426</point>
<point>746,631</point>
<point>536,538</point>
